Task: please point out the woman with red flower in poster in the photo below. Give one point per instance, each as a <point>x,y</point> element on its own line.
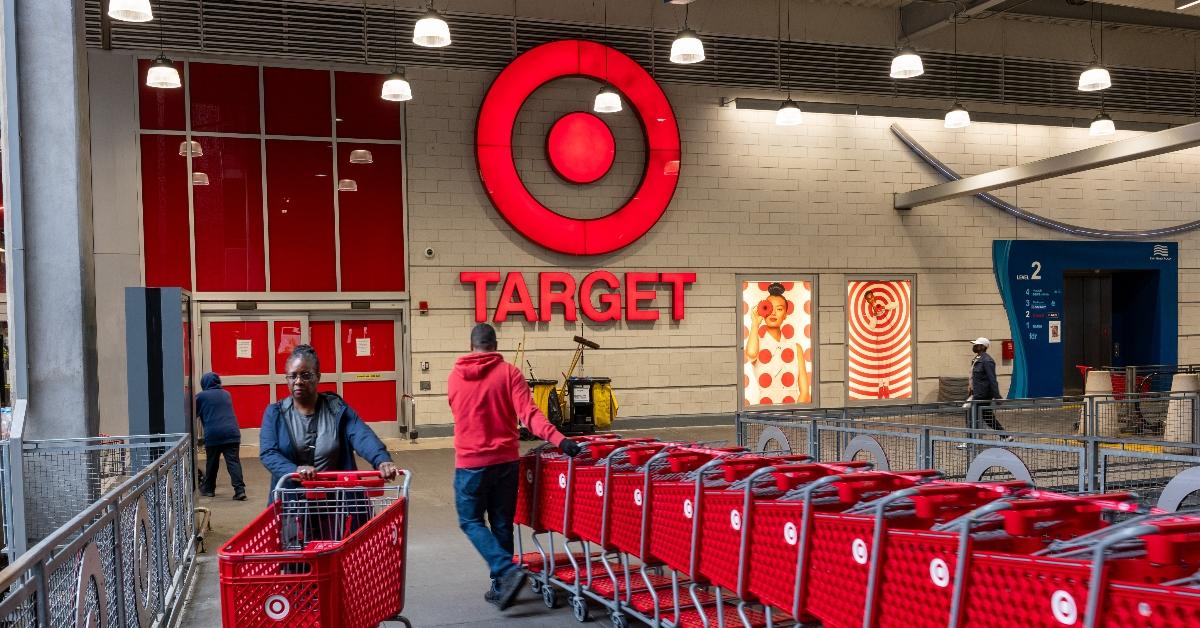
<point>777,361</point>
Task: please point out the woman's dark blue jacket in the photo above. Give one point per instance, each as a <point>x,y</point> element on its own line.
<point>278,453</point>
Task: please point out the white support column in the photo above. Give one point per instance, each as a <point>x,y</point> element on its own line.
<point>48,175</point>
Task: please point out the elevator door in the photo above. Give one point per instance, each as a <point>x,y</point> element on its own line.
<point>1087,325</point>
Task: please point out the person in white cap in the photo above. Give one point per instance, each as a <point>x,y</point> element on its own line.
<point>982,386</point>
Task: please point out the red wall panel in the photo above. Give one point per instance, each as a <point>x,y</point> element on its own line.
<point>296,102</point>
<point>160,109</point>
<point>249,403</point>
<point>224,98</point>
<point>223,345</point>
<point>300,200</point>
<point>361,113</point>
<point>373,401</point>
<point>378,342</point>
<point>165,230</point>
<point>320,336</point>
<point>229,216</point>
<point>371,220</point>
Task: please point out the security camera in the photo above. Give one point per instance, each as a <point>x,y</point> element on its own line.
<point>429,252</point>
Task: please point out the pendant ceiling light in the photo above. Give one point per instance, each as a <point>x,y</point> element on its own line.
<point>607,99</point>
<point>1095,77</point>
<point>162,73</point>
<point>1102,125</point>
<point>199,178</point>
<point>789,113</point>
<point>957,117</point>
<point>907,64</point>
<point>347,185</point>
<point>361,156</point>
<point>431,30</point>
<point>130,10</point>
<point>395,86</point>
<point>687,47</point>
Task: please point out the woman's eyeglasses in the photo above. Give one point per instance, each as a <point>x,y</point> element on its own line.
<point>305,376</point>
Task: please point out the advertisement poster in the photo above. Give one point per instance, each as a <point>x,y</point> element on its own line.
<point>879,345</point>
<point>776,342</point>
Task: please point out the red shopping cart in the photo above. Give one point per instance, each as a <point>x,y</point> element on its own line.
<point>330,553</point>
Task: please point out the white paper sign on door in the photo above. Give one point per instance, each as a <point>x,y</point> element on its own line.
<point>362,347</point>
<point>245,348</point>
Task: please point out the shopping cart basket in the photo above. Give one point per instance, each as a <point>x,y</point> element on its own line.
<point>330,553</point>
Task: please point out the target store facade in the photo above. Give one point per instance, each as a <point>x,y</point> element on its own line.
<point>719,261</point>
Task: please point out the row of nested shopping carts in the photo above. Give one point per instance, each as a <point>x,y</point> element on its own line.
<point>683,535</point>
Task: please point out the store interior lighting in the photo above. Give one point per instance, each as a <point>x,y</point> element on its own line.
<point>607,101</point>
<point>687,48</point>
<point>1180,5</point>
<point>431,31</point>
<point>396,87</point>
<point>957,117</point>
<point>199,178</point>
<point>130,10</point>
<point>163,75</point>
<point>907,64</point>
<point>347,185</point>
<point>1096,76</point>
<point>190,147</point>
<point>1101,126</point>
<point>361,156</point>
<point>789,114</point>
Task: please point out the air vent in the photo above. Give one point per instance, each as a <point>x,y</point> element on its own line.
<point>351,33</point>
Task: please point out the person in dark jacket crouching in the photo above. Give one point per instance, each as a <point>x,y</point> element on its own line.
<point>309,431</point>
<point>222,437</point>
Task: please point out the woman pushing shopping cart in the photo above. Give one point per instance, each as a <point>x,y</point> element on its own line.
<point>329,552</point>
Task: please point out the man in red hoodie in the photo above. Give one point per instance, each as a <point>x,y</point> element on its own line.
<point>487,397</point>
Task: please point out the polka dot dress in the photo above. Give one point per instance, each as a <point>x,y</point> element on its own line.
<point>771,379</point>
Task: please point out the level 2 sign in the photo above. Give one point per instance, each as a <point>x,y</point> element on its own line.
<point>601,295</point>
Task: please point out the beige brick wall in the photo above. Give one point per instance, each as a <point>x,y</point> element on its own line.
<point>752,196</point>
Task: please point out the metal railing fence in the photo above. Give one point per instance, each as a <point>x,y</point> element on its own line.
<point>1064,444</point>
<point>126,558</point>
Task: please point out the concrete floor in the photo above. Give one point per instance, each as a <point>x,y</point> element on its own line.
<point>446,578</point>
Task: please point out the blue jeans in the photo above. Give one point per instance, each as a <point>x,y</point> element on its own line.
<point>492,491</point>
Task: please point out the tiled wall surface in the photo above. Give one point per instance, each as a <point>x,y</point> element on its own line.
<point>753,197</point>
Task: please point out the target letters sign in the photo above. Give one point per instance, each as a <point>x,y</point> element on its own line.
<point>879,347</point>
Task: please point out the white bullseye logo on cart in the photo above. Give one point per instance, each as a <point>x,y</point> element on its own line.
<point>790,535</point>
<point>1144,609</point>
<point>637,496</point>
<point>1062,605</point>
<point>599,488</point>
<point>858,549</point>
<point>687,508</point>
<point>277,607</point>
<point>562,480</point>
<point>939,572</point>
<point>735,519</point>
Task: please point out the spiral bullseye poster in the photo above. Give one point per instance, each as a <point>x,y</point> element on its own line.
<point>777,342</point>
<point>879,339</point>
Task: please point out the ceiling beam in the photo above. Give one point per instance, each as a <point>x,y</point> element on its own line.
<point>922,18</point>
<point>1148,145</point>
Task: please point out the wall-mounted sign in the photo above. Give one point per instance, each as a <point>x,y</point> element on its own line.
<point>497,169</point>
<point>776,341</point>
<point>879,346</point>
<point>601,295</point>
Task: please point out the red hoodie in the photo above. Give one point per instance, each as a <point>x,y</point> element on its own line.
<point>487,397</point>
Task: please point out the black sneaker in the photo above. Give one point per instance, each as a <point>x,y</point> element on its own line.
<point>508,586</point>
<point>207,494</point>
<point>492,597</point>
<point>239,496</point>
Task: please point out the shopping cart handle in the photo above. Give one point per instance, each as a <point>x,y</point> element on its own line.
<point>851,486</point>
<point>640,454</point>
<point>692,458</point>
<point>1176,540</point>
<point>738,468</point>
<point>600,449</point>
<point>789,476</point>
<point>934,500</point>
<point>339,479</point>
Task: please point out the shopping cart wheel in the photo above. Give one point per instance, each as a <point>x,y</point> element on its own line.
<point>403,620</point>
<point>579,608</point>
<point>619,620</point>
<point>535,585</point>
<point>549,597</point>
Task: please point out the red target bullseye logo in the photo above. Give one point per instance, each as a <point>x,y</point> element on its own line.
<point>498,170</point>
